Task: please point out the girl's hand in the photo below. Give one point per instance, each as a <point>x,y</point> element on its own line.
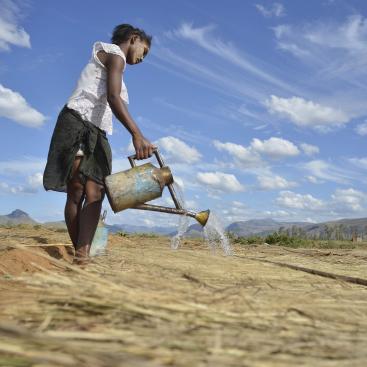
<point>143,147</point>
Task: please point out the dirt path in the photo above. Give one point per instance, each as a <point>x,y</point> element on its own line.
<point>145,305</point>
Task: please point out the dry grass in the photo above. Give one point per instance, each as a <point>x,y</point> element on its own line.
<point>145,305</point>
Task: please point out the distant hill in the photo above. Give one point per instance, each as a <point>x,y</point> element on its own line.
<point>16,217</point>
<point>264,227</point>
<point>339,229</point>
<point>129,228</point>
<point>194,231</point>
<point>343,228</point>
<point>260,227</point>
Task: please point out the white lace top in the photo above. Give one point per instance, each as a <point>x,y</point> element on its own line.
<point>90,95</point>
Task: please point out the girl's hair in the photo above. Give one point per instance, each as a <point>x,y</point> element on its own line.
<point>123,32</point>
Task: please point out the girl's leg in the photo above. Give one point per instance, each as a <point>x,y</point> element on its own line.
<point>75,197</point>
<point>89,216</point>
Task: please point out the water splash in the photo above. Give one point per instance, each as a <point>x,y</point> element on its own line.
<point>214,233</point>
<point>183,224</point>
<point>215,236</point>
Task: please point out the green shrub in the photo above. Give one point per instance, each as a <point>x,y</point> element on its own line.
<point>251,240</point>
<point>145,235</point>
<point>23,226</point>
<point>254,239</point>
<point>283,239</point>
<point>122,234</point>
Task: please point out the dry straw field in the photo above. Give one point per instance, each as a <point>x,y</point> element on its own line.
<point>146,305</point>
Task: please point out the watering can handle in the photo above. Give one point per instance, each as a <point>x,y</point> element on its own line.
<point>132,159</point>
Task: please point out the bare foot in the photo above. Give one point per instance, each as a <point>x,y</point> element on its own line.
<point>82,256</point>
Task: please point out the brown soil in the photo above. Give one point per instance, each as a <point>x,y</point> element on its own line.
<point>146,305</point>
<point>18,261</point>
<point>42,241</point>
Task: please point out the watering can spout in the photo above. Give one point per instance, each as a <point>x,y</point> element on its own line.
<point>202,217</point>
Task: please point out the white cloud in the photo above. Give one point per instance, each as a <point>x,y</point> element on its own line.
<point>276,10</point>
<point>178,151</point>
<point>32,185</point>
<point>320,169</point>
<point>277,214</point>
<point>202,36</point>
<point>245,156</point>
<point>281,30</point>
<point>220,181</point>
<point>249,158</point>
<point>361,129</point>
<point>274,183</point>
<point>286,41</point>
<point>163,201</point>
<point>148,222</point>
<point>342,203</point>
<point>334,49</point>
<point>275,147</point>
<point>14,107</point>
<point>293,49</point>
<point>23,166</point>
<point>350,35</point>
<point>238,204</point>
<point>309,149</point>
<point>36,180</point>
<point>335,54</point>
<point>5,188</point>
<point>120,164</point>
<point>359,162</point>
<point>306,113</point>
<point>10,31</point>
<point>313,179</point>
<point>349,199</point>
<point>138,216</point>
<point>191,204</point>
<point>293,200</point>
<point>180,182</point>
<point>205,76</point>
<point>235,212</point>
<point>130,148</point>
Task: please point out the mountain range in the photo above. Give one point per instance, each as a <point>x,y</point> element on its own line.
<point>16,217</point>
<point>258,227</point>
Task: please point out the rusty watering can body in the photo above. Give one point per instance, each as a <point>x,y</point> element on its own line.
<point>139,184</point>
<point>136,186</point>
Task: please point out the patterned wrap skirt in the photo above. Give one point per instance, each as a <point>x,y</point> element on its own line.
<point>71,132</point>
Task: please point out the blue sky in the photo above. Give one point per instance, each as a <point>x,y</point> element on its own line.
<point>259,107</point>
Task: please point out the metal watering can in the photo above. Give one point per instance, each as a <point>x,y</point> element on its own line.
<point>134,187</point>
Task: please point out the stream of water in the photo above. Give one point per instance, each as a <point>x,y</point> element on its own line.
<point>183,224</point>
<point>214,233</point>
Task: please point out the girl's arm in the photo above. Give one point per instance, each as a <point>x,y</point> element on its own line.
<point>114,65</point>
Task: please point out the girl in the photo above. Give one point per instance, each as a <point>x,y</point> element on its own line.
<point>80,157</point>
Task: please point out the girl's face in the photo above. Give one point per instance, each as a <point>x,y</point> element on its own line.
<point>138,49</point>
